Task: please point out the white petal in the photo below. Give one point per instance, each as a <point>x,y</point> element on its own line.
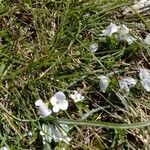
<point>146,84</point>
<point>56,108</point>
<point>72,96</point>
<point>126,83</point>
<point>93,47</point>
<point>64,105</point>
<point>4,148</point>
<point>112,28</point>
<point>123,85</point>
<point>39,102</point>
<point>60,96</point>
<point>44,111</point>
<point>130,81</point>
<point>53,101</point>
<point>104,82</point>
<point>144,73</point>
<point>147,39</point>
<point>82,98</point>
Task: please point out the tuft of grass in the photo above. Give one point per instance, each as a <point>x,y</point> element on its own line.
<point>44,48</point>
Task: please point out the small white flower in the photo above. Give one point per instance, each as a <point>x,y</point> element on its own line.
<point>4,148</point>
<point>93,47</point>
<point>145,78</point>
<point>59,102</point>
<point>57,133</point>
<point>123,34</point>
<point>144,73</point>
<point>104,82</point>
<point>112,28</point>
<point>43,110</point>
<point>77,97</point>
<point>147,39</point>
<point>146,84</point>
<point>127,83</point>
<point>121,31</point>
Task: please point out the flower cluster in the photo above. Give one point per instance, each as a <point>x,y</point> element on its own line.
<point>58,101</point>
<point>128,82</point>
<point>122,33</point>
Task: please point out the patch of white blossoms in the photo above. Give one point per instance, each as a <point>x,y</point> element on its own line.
<point>59,102</point>
<point>57,133</point>
<point>77,97</point>
<point>43,110</point>
<point>145,78</point>
<point>104,82</point>
<point>127,83</point>
<point>122,33</point>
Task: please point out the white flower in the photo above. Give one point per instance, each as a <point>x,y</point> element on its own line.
<point>121,31</point>
<point>57,133</point>
<point>147,39</point>
<point>145,78</point>
<point>146,84</point>
<point>4,148</point>
<point>123,34</point>
<point>77,97</point>
<point>144,73</point>
<point>42,108</point>
<point>127,83</point>
<point>93,47</point>
<point>104,82</point>
<point>59,102</point>
<point>112,28</point>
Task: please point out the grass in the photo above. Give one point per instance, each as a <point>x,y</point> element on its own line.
<point>44,48</point>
